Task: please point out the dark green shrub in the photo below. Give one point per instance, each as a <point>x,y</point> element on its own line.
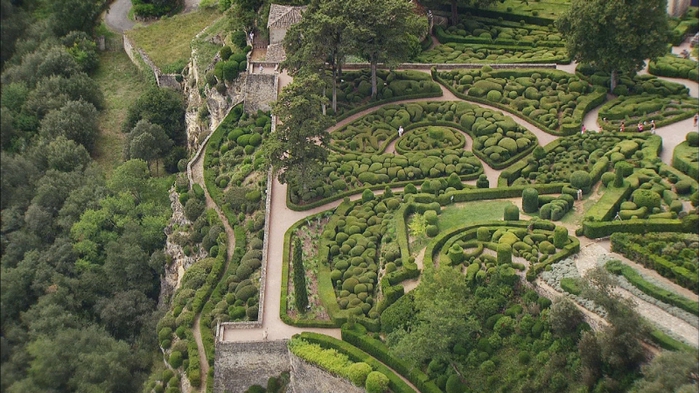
<point>239,39</point>
<point>483,234</point>
<point>683,187</point>
<point>504,254</point>
<point>432,230</point>
<point>225,53</point>
<point>646,198</point>
<point>300,292</point>
<point>530,200</point>
<point>581,180</point>
<point>511,213</point>
<point>560,237</point>
<point>410,189</point>
<point>692,138</point>
<point>175,359</point>
<point>482,181</point>
<point>367,195</point>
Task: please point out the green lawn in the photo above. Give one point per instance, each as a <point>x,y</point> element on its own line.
<point>122,83</point>
<point>168,40</point>
<point>461,214</point>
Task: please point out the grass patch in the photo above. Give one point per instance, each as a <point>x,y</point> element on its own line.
<point>461,214</point>
<point>204,49</point>
<point>168,40</point>
<point>122,83</point>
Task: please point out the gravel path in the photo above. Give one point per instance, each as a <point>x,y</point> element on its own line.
<point>117,16</point>
<point>281,218</point>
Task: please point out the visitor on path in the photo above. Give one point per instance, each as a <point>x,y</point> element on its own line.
<point>622,127</point>
<point>580,193</point>
<point>400,131</point>
<point>640,127</point>
<point>261,68</point>
<point>583,129</point>
<point>696,119</point>
<point>652,126</point>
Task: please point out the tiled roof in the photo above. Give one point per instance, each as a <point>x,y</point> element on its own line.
<point>275,53</point>
<point>283,16</point>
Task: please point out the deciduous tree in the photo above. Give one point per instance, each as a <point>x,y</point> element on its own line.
<point>615,35</point>
<point>384,31</point>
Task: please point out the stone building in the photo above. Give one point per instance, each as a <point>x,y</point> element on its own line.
<point>281,17</point>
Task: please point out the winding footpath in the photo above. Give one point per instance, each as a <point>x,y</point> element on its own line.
<point>281,217</point>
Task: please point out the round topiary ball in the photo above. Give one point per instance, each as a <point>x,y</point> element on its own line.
<point>530,200</point>
<point>693,139</point>
<point>581,180</point>
<point>511,213</point>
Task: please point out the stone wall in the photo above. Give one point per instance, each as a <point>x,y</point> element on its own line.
<point>241,365</point>
<point>306,378</point>
<point>139,57</point>
<point>260,92</point>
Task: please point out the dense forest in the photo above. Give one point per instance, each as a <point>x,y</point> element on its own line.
<point>81,248</point>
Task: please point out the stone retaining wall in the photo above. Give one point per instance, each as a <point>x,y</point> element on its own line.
<point>241,365</point>
<point>134,53</point>
<point>306,378</point>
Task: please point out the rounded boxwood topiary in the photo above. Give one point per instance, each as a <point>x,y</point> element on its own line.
<point>683,187</point>
<point>358,373</point>
<point>530,200</point>
<point>483,234</point>
<point>432,230</point>
<point>175,359</point>
<point>692,139</point>
<point>646,198</point>
<point>376,382</point>
<point>581,180</point>
<point>560,237</point>
<point>511,213</point>
<point>504,254</point>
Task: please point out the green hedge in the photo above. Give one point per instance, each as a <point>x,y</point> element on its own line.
<point>498,105</point>
<point>682,160</point>
<point>596,229</point>
<point>669,343</point>
<point>387,101</point>
<point>396,384</point>
<point>665,268</point>
<point>381,352</point>
<point>649,289</point>
<point>325,288</point>
<point>608,205</point>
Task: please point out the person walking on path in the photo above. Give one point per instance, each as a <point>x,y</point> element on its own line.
<point>400,131</point>
<point>622,127</point>
<point>696,119</point>
<point>652,126</point>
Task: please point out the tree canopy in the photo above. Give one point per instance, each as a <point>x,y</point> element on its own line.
<point>615,35</point>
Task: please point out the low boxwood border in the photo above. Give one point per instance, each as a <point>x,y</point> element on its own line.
<point>596,229</point>
<point>395,383</point>
<point>669,343</point>
<point>652,290</point>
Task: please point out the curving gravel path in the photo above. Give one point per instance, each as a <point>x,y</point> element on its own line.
<point>117,16</point>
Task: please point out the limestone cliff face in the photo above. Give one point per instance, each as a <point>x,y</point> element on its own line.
<point>197,93</point>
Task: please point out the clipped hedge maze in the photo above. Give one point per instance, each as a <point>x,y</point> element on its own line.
<point>554,100</point>
<point>429,138</point>
<point>488,40</point>
<point>539,247</point>
<point>354,89</point>
<point>589,152</point>
<point>644,108</point>
<point>353,254</point>
<point>674,67</point>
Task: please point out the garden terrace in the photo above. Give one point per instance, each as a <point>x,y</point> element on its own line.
<point>673,255</point>
<point>235,177</point>
<point>555,101</point>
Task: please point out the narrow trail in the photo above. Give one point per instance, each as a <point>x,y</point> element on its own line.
<point>198,177</point>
